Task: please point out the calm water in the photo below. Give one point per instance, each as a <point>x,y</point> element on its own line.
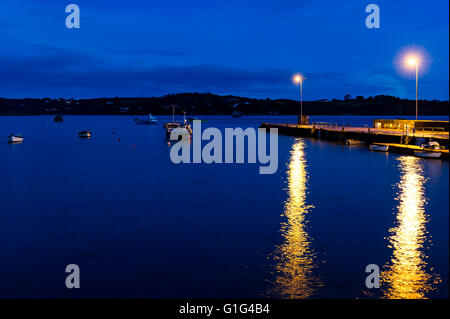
<point>140,226</point>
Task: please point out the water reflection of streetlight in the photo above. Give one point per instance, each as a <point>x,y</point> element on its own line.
<point>295,260</point>
<point>406,275</point>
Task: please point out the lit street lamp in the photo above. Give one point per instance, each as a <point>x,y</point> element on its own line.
<point>413,62</point>
<point>298,79</point>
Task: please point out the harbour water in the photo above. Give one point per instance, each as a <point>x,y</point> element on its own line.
<point>140,226</point>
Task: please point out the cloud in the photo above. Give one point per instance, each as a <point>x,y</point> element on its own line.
<point>146,51</point>
<point>69,73</point>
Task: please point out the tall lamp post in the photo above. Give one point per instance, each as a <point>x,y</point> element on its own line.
<point>412,61</point>
<point>298,79</point>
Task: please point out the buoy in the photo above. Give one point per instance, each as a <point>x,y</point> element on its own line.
<point>168,143</point>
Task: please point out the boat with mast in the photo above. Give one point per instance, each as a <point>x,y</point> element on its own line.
<point>180,129</point>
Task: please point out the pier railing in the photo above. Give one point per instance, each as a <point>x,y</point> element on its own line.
<point>325,124</point>
<point>430,129</point>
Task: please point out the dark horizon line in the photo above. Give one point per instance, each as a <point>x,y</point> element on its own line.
<point>220,95</point>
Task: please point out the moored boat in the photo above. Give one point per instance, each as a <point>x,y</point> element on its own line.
<point>85,134</point>
<point>150,121</point>
<point>170,126</point>
<point>379,148</point>
<point>429,150</point>
<point>427,154</point>
<point>58,119</point>
<point>15,138</point>
<point>353,142</point>
<point>236,114</point>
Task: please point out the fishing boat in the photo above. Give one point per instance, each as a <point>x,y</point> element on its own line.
<point>15,138</point>
<point>170,126</point>
<point>85,134</point>
<point>379,148</point>
<point>429,150</point>
<point>58,119</point>
<point>150,121</point>
<point>181,129</point>
<point>353,142</point>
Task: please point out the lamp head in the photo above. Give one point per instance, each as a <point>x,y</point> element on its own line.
<point>297,78</point>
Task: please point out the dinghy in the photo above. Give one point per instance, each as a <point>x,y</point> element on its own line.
<point>15,138</point>
<point>85,134</point>
<point>379,148</point>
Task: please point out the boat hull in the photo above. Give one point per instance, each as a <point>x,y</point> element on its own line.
<point>425,154</point>
<point>85,134</point>
<point>379,148</point>
<point>15,139</point>
<point>138,122</point>
<point>353,142</point>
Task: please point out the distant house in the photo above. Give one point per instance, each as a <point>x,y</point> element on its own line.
<point>124,109</point>
<point>323,100</point>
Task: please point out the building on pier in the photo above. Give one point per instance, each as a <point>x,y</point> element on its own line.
<point>419,125</point>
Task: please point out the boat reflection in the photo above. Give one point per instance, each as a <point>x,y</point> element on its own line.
<point>295,261</point>
<point>407,275</point>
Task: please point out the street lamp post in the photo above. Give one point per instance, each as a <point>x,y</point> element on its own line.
<point>298,79</point>
<point>417,87</point>
<point>413,62</point>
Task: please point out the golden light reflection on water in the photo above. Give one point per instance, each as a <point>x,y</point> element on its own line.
<point>295,261</point>
<point>406,276</point>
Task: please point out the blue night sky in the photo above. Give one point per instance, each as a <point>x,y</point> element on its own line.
<point>247,48</point>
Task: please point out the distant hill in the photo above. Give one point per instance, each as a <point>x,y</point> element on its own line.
<point>212,104</point>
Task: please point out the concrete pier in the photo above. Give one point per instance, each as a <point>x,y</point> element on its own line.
<point>368,135</point>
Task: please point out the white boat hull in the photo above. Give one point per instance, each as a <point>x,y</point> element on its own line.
<point>379,148</point>
<point>15,139</point>
<point>428,154</point>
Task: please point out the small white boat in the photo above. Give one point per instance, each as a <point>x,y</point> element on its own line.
<point>353,142</point>
<point>85,134</point>
<point>431,145</point>
<point>429,150</point>
<point>379,148</point>
<point>15,138</point>
<point>428,154</point>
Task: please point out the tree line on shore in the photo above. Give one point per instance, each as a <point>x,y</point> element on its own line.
<point>212,104</point>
